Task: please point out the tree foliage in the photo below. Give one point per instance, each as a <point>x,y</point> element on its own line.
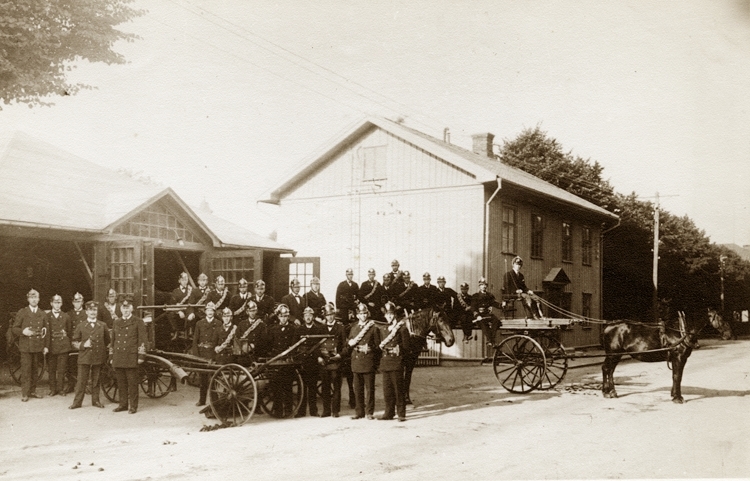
<point>689,264</point>
<point>41,39</point>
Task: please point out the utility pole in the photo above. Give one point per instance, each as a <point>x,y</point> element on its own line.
<point>722,259</point>
<point>656,259</point>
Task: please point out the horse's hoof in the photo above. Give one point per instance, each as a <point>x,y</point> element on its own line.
<point>678,400</point>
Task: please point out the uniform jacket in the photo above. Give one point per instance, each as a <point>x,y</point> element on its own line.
<point>281,337</point>
<point>198,296</point>
<point>222,335</point>
<point>315,329</point>
<point>220,299</point>
<point>346,297</point>
<point>205,338</point>
<point>129,342</point>
<point>266,305</point>
<point>426,297</point>
<point>295,307</point>
<point>371,294</point>
<point>333,346</point>
<point>98,333</point>
<point>394,351</point>
<point>238,303</point>
<point>407,296</point>
<point>257,339</point>
<point>480,302</point>
<point>463,305</point>
<point>179,296</point>
<point>76,318</point>
<point>108,316</point>
<point>513,282</point>
<point>37,321</point>
<point>60,332</point>
<point>363,353</point>
<point>316,302</point>
<point>447,299</point>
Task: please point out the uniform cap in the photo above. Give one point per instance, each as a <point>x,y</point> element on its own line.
<point>294,282</point>
<point>260,283</point>
<point>282,309</point>
<point>226,312</point>
<point>92,305</point>
<point>184,275</point>
<point>517,260</point>
<point>394,262</point>
<point>202,276</point>
<point>127,301</point>
<point>251,306</point>
<point>371,271</point>
<point>211,306</point>
<point>78,296</point>
<point>219,278</point>
<point>57,297</point>
<point>32,292</point>
<point>314,280</point>
<point>389,307</point>
<point>464,285</point>
<point>362,309</point>
<point>441,279</point>
<point>406,274</point>
<point>309,310</point>
<point>482,280</point>
<point>242,282</point>
<point>111,291</point>
<point>426,275</point>
<point>350,271</point>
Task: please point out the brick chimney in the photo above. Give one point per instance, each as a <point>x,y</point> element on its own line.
<point>482,144</point>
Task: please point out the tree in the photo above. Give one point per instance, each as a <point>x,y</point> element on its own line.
<point>41,39</point>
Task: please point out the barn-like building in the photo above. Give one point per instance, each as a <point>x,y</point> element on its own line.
<point>384,191</point>
<point>68,225</point>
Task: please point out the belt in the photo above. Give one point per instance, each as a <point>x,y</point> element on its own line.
<point>206,345</point>
<point>392,350</point>
<point>58,336</point>
<point>363,349</point>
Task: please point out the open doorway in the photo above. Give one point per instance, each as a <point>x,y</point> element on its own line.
<point>168,265</point>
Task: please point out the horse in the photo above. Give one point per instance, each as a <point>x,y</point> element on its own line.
<point>647,342</point>
<point>718,323</point>
<point>421,323</point>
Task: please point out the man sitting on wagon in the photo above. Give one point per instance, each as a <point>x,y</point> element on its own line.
<point>482,303</point>
<point>516,284</point>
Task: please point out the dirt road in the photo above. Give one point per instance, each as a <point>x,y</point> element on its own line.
<point>463,426</point>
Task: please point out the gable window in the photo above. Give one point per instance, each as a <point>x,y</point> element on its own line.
<point>373,160</point>
<point>537,236</point>
<point>586,246</point>
<point>509,230</point>
<point>567,242</point>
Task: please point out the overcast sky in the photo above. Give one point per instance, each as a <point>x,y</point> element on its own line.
<point>221,98</point>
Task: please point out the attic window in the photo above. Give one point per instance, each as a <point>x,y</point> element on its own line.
<point>373,160</point>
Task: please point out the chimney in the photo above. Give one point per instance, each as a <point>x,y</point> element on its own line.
<point>482,144</point>
<point>447,135</point>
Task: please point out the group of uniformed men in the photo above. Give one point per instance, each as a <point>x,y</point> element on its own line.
<point>365,333</point>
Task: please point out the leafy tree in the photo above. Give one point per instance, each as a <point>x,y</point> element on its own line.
<point>41,39</point>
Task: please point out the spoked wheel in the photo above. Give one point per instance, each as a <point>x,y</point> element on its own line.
<point>156,380</point>
<point>233,394</point>
<point>14,364</point>
<point>557,362</point>
<point>267,401</point>
<point>519,364</point>
<point>108,383</point>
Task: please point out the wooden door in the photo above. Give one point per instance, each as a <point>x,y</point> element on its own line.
<point>119,266</point>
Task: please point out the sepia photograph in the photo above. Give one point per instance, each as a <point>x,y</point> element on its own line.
<point>374,240</point>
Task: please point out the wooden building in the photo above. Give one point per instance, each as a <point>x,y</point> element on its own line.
<point>383,191</point>
<point>68,225</point>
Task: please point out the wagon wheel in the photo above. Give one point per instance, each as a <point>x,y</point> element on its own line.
<point>14,364</point>
<point>156,380</point>
<point>233,394</point>
<point>108,382</point>
<point>557,362</point>
<point>519,364</point>
<point>267,400</point>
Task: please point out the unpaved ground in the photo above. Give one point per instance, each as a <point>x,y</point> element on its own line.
<point>464,426</point>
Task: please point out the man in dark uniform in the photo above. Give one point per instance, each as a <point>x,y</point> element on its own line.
<point>219,295</point>
<point>481,305</point>
<point>427,294</point>
<point>310,367</point>
<point>282,335</point>
<point>395,273</point>
<point>371,294</point>
<point>31,329</point>
<point>394,346</point>
<point>407,294</point>
<point>465,312</point>
<point>60,331</point>
<point>295,302</point>
<point>362,342</point>
<point>204,342</point>
<point>330,362</point>
<point>92,339</point>
<point>128,350</point>
<point>447,300</point>
<point>252,333</point>
<point>346,298</point>
<point>77,316</point>
<point>224,338</point>
<point>316,300</point>
<point>266,304</point>
<point>109,310</point>
<point>387,289</point>
<point>178,319</point>
<point>238,302</point>
<point>515,283</point>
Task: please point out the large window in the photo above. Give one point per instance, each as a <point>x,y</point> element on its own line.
<point>122,270</point>
<point>157,222</point>
<point>586,304</point>
<point>233,269</point>
<point>537,236</point>
<point>567,242</point>
<point>509,230</point>
<point>303,271</point>
<point>586,246</point>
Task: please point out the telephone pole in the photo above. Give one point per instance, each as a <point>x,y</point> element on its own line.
<point>656,260</point>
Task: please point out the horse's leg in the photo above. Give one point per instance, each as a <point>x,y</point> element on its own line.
<point>608,375</point>
<point>678,365</point>
<point>409,363</point>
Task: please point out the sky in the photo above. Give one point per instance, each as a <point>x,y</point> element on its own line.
<point>221,99</point>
